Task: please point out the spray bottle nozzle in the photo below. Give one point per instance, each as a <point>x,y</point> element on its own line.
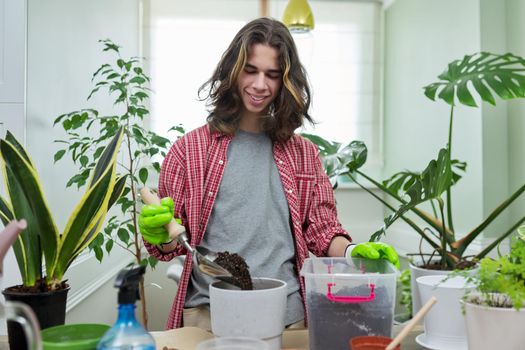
<point>127,282</point>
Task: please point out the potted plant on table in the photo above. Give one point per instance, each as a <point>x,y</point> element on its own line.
<point>495,313</point>
<point>483,74</point>
<point>43,254</point>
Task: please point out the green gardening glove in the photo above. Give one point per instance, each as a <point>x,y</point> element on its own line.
<point>374,250</point>
<point>152,219</point>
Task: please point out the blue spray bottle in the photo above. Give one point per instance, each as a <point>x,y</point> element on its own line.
<point>127,333</point>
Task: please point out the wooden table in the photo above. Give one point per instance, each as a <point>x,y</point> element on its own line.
<point>187,338</point>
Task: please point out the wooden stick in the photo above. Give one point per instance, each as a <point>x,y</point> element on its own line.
<point>418,316</point>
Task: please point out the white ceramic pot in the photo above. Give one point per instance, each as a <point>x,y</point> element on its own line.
<point>415,273</point>
<point>257,313</point>
<point>444,323</point>
<point>494,328</point>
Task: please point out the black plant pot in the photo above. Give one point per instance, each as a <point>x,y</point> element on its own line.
<point>49,308</point>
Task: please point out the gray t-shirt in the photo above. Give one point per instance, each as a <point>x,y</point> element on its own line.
<point>250,217</point>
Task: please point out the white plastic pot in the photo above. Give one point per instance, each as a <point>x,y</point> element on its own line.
<point>494,328</point>
<point>257,313</point>
<point>444,323</point>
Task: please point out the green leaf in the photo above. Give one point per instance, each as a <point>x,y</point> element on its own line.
<point>123,235</point>
<point>109,245</point>
<point>488,73</point>
<point>433,181</point>
<point>83,160</point>
<point>59,155</point>
<point>20,149</point>
<point>99,254</point>
<point>118,190</point>
<point>137,80</point>
<point>6,213</point>
<point>88,216</point>
<point>28,201</point>
<point>152,261</point>
<point>143,175</point>
<point>338,159</point>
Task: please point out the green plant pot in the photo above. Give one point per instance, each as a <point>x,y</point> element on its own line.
<point>73,336</point>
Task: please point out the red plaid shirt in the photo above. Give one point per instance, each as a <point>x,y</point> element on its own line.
<point>191,174</point>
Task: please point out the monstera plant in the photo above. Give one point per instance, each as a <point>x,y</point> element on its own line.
<point>41,240</point>
<point>485,75</point>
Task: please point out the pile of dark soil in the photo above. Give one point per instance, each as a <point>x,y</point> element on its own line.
<point>332,324</point>
<point>237,267</point>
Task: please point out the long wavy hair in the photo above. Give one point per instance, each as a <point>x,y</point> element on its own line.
<point>290,107</point>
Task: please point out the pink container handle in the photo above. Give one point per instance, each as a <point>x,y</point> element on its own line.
<point>351,299</point>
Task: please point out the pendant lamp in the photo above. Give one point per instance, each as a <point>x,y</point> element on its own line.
<point>298,16</point>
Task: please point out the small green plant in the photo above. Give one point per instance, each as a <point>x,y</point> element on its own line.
<point>501,282</point>
<point>405,291</point>
<point>86,129</point>
<point>485,75</point>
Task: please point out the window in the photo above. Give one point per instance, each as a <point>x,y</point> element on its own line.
<point>342,57</point>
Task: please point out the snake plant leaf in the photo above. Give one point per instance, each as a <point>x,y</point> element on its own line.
<point>9,137</point>
<point>431,184</point>
<point>28,201</point>
<point>120,184</point>
<point>107,156</point>
<point>88,216</point>
<point>6,213</point>
<point>484,73</point>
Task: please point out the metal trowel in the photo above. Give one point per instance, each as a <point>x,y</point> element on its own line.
<point>204,258</point>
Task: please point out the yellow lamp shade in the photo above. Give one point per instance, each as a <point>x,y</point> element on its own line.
<point>298,16</point>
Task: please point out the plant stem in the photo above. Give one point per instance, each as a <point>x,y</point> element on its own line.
<point>405,219</point>
<point>443,235</point>
<point>138,254</point>
<point>499,239</point>
<point>449,189</point>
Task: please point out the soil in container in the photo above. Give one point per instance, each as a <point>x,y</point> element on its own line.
<point>333,324</point>
<point>237,266</point>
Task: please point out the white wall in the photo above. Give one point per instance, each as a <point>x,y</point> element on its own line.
<point>421,38</point>
<point>515,13</point>
<point>12,77</point>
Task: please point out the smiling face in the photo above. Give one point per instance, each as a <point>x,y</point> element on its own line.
<point>259,83</point>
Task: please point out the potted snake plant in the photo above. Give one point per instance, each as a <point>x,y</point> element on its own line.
<point>484,74</point>
<point>44,254</point>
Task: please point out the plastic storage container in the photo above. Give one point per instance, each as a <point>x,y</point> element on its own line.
<point>348,298</point>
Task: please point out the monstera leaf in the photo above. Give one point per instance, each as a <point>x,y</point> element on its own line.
<point>400,182</point>
<point>338,159</point>
<point>433,181</point>
<point>485,73</point>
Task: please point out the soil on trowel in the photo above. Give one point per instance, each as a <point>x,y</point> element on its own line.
<point>237,266</point>
<point>333,324</point>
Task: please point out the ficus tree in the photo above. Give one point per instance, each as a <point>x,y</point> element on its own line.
<point>87,131</point>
